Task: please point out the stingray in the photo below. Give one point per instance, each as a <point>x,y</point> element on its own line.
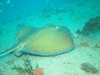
<point>46,41</point>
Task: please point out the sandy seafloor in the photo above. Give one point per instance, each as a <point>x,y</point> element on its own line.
<point>64,64</point>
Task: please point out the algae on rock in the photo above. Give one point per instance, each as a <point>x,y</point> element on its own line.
<point>26,69</point>
<point>89,68</point>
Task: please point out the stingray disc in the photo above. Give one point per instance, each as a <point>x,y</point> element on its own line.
<point>50,40</point>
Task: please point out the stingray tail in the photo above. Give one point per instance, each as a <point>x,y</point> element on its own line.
<point>7,51</point>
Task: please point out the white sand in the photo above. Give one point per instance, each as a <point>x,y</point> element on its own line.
<point>65,64</point>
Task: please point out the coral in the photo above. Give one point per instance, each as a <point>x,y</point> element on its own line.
<point>84,44</point>
<point>27,69</point>
<point>91,27</point>
<point>89,68</point>
<point>38,71</point>
<point>28,66</point>
<point>19,69</point>
<point>96,47</point>
<point>30,71</point>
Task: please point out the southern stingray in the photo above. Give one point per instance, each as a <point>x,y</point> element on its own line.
<point>46,41</point>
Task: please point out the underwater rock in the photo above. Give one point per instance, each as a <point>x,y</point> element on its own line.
<point>89,68</point>
<point>46,41</point>
<point>91,27</point>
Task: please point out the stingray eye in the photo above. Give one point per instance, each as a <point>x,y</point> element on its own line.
<point>57,27</point>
